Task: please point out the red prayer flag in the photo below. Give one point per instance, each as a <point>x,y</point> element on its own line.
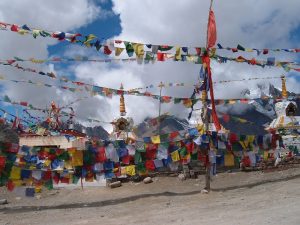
<point>100,155</point>
<point>2,162</point>
<point>174,134</point>
<point>211,30</point>
<point>190,147</point>
<point>233,138</point>
<point>24,103</point>
<point>198,50</point>
<point>13,148</point>
<point>265,51</point>
<point>65,180</point>
<point>14,28</point>
<point>107,51</point>
<point>47,175</point>
<point>150,165</point>
<point>126,159</point>
<point>10,185</point>
<point>160,56</point>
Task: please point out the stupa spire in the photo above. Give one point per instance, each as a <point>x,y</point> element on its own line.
<point>283,92</point>
<point>122,102</point>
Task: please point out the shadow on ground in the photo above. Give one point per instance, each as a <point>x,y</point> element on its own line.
<point>24,209</point>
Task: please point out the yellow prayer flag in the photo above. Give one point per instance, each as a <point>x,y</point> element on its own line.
<point>37,61</point>
<point>229,160</point>
<point>187,103</point>
<point>130,170</point>
<point>17,183</point>
<point>178,54</point>
<point>231,101</point>
<point>77,158</point>
<point>89,38</point>
<point>123,170</point>
<point>244,144</point>
<point>266,155</point>
<point>118,51</point>
<point>212,52</point>
<point>175,156</point>
<point>250,138</point>
<point>71,150</point>
<point>22,32</point>
<point>15,173</point>
<point>138,49</point>
<point>155,139</point>
<point>68,165</point>
<point>191,58</point>
<point>47,162</point>
<point>38,189</point>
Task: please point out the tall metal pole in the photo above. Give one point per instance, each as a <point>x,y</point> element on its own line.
<point>205,116</point>
<point>159,108</point>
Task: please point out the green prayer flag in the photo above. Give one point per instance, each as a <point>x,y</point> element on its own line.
<point>239,47</point>
<point>88,158</point>
<point>194,156</point>
<point>64,156</point>
<point>177,100</point>
<point>49,184</point>
<point>75,179</point>
<point>137,157</point>
<point>141,167</point>
<point>129,48</point>
<point>183,152</point>
<point>164,48</point>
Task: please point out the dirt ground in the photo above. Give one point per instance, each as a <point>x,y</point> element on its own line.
<point>236,198</point>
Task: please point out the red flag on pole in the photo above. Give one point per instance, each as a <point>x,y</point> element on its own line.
<point>211,30</point>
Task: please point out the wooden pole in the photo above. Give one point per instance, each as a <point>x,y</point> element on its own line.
<point>161,85</point>
<point>205,116</point>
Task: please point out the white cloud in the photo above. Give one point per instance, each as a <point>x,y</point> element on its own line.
<point>250,23</point>
<point>52,15</point>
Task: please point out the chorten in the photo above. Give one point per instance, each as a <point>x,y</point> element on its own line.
<point>123,126</point>
<point>285,112</point>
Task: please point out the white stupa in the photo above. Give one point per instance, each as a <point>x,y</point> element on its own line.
<point>123,126</point>
<point>286,113</point>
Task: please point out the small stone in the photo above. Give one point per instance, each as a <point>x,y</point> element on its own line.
<point>192,174</point>
<point>38,196</point>
<point>115,184</point>
<point>18,198</point>
<point>148,180</point>
<point>3,201</point>
<point>204,191</point>
<point>181,177</point>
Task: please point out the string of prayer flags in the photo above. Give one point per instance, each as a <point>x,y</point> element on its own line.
<point>287,66</point>
<point>259,51</point>
<point>92,41</point>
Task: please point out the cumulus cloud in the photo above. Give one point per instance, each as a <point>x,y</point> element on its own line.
<point>52,15</point>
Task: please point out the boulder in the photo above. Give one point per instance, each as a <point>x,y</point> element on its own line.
<point>3,201</point>
<point>148,180</point>
<point>115,184</point>
<point>181,177</point>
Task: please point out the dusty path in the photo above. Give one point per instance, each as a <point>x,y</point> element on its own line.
<point>238,198</point>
